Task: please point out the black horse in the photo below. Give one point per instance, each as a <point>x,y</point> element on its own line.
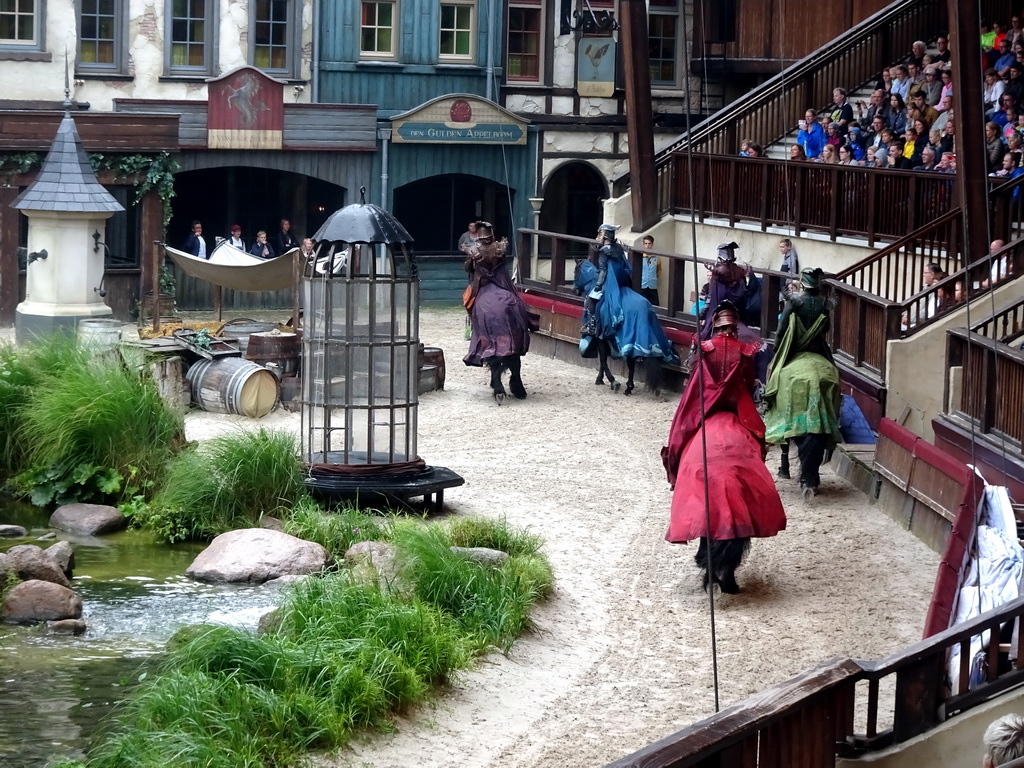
<point>512,364</point>
<point>726,556</point>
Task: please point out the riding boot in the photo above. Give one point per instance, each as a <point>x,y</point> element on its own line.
<point>784,463</point>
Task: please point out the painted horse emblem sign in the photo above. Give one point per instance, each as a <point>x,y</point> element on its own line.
<point>245,111</point>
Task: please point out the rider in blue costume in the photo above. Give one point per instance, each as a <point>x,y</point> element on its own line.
<point>613,310</point>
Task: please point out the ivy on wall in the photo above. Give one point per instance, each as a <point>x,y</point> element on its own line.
<point>150,172</point>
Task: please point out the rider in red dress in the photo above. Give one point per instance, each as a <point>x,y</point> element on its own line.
<point>741,497</point>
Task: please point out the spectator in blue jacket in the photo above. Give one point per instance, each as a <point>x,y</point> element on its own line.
<point>811,135</point>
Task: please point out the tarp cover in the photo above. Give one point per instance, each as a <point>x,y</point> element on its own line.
<point>234,268</point>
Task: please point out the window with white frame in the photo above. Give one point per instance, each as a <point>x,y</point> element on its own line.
<point>191,37</point>
<point>458,30</point>
<point>101,36</point>
<point>274,41</point>
<point>377,29</point>
<point>522,61</point>
<point>21,24</point>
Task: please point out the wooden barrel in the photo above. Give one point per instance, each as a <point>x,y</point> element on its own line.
<point>99,334</point>
<point>242,328</point>
<point>284,349</point>
<point>233,385</point>
<point>428,379</point>
<point>434,356</point>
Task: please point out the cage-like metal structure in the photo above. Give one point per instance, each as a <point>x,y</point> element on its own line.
<point>360,378</point>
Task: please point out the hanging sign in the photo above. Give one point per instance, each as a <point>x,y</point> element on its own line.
<point>459,119</point>
<point>246,111</point>
<point>595,67</point>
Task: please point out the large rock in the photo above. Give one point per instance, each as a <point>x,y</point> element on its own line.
<point>34,601</point>
<point>63,554</point>
<point>12,532</point>
<point>257,555</point>
<point>375,562</point>
<point>30,562</point>
<point>489,558</point>
<point>89,519</point>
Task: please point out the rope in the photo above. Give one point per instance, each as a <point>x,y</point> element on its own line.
<point>700,381</point>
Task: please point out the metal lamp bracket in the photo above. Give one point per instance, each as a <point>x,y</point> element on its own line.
<point>589,21</point>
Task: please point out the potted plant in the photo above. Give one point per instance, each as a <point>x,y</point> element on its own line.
<point>166,301</point>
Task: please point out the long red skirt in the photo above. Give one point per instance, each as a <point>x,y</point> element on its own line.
<point>743,499</point>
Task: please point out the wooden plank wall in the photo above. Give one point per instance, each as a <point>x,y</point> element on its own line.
<point>100,131</point>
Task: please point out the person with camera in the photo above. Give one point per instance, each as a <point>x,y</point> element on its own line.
<point>811,136</point>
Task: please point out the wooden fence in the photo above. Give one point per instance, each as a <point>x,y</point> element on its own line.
<point>809,720</point>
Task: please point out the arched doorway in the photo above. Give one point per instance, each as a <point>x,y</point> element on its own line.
<point>436,210</point>
<point>572,200</point>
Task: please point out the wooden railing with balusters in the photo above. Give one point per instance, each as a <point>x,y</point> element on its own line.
<point>808,721</point>
<point>771,111</point>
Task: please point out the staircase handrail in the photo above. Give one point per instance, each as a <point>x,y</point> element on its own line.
<point>813,77</point>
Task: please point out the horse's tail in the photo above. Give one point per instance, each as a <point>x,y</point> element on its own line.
<point>654,374</point>
<point>726,554</point>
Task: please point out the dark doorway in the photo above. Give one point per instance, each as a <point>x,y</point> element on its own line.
<point>255,198</point>
<point>572,202</point>
<point>436,211</point>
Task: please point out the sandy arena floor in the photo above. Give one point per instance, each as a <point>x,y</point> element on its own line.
<point>622,652</point>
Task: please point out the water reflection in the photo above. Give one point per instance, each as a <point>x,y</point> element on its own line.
<point>55,689</point>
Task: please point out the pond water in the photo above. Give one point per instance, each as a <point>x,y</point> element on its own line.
<point>56,689</point>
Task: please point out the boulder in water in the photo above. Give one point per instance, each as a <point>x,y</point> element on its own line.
<point>63,555</point>
<point>88,519</point>
<point>256,555</point>
<point>30,562</point>
<point>66,627</point>
<point>34,601</point>
<point>12,532</point>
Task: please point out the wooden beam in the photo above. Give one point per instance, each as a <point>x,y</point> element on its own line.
<point>9,293</point>
<point>639,114</point>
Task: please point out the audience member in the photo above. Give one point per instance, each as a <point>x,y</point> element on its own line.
<point>1015,144</point>
<point>842,114</point>
<point>948,136</point>
<point>195,244</point>
<point>927,160</point>
<point>946,99</point>
<point>988,37</point>
<point>994,87</point>
<point>901,84</point>
<point>235,238</point>
<point>917,51</point>
<point>942,46</point>
<point>916,75</point>
<point>745,148</point>
<point>874,136</point>
<point>811,136</point>
<point>796,152</point>
<point>651,268</point>
<point>1005,59</point>
<point>885,79</point>
<point>1015,83</point>
<point>896,120</point>
<point>866,112</point>
<point>1010,169</point>
<point>829,154</point>
<point>932,86</point>
<point>856,142</point>
<point>925,111</point>
<point>261,248</point>
<point>1010,113</point>
<point>1004,741</point>
<point>790,262</point>
<point>285,240</point>
<point>754,150</point>
<point>846,155</point>
<point>834,135</point>
<point>912,148</point>
<point>947,164</point>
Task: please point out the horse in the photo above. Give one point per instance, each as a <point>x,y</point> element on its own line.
<point>623,324</point>
<point>498,365</point>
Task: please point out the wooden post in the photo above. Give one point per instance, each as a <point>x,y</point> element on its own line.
<point>297,259</point>
<point>639,117</point>
<point>9,289</point>
<point>971,161</point>
<point>154,281</point>
<point>218,303</point>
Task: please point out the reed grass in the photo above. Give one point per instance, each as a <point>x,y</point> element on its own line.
<point>97,412</point>
<point>344,655</point>
<point>227,483</point>
<point>337,530</point>
<point>23,371</point>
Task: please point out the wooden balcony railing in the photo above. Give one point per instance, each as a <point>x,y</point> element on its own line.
<point>771,111</point>
<point>808,721</point>
<point>988,366</point>
<point>547,265</point>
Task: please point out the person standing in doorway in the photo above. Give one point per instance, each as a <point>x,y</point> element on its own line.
<point>261,249</point>
<point>651,271</point>
<point>195,244</point>
<point>285,239</point>
<point>468,237</point>
<point>236,237</point>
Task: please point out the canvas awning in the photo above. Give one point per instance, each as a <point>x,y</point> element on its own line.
<point>231,267</point>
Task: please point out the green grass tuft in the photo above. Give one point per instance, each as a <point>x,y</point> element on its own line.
<point>227,483</point>
<point>337,530</point>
